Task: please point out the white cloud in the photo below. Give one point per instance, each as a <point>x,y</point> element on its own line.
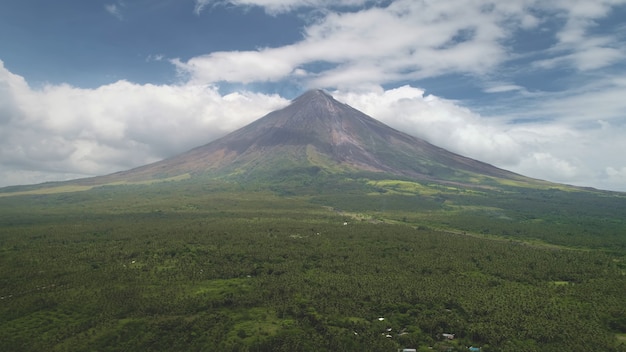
<point>577,46</point>
<point>551,167</point>
<point>155,57</point>
<point>616,175</point>
<point>556,150</point>
<point>68,131</point>
<point>61,131</point>
<point>404,40</point>
<point>439,121</point>
<point>588,103</point>
<point>114,10</point>
<point>380,42</point>
<point>597,57</point>
<point>501,88</point>
<point>585,53</point>
<point>200,5</point>
<point>237,66</point>
<point>281,6</point>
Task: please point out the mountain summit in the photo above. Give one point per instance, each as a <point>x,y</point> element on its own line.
<point>316,132</point>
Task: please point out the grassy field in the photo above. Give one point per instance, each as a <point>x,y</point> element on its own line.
<point>373,265</point>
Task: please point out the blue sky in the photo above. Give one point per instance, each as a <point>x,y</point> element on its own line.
<point>90,43</point>
<point>94,87</point>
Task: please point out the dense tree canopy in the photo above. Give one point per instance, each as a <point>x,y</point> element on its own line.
<point>178,268</point>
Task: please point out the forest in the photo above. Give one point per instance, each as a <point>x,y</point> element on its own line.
<point>373,265</point>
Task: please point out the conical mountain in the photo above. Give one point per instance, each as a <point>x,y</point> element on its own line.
<point>316,132</point>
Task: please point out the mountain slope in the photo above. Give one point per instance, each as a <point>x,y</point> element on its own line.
<point>316,131</point>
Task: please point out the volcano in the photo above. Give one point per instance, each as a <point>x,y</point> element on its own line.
<point>320,134</point>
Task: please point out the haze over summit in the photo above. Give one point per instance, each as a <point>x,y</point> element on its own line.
<point>523,85</point>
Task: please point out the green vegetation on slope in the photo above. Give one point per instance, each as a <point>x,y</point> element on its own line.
<point>220,266</point>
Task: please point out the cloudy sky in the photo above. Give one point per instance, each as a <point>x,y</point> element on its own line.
<point>93,87</point>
